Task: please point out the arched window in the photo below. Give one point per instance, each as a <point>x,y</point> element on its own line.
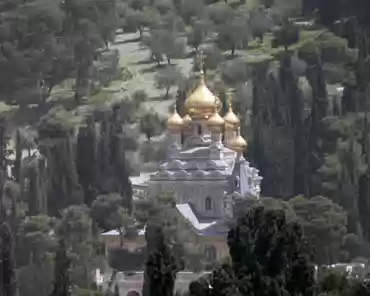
<point>199,129</point>
<point>210,253</point>
<point>208,203</point>
<point>237,182</point>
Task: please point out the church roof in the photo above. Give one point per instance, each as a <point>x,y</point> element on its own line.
<point>187,212</point>
<point>202,228</point>
<point>140,181</point>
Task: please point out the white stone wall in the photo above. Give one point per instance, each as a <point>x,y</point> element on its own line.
<point>194,192</point>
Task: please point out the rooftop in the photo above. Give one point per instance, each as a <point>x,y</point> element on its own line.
<point>186,211</point>
<point>140,181</point>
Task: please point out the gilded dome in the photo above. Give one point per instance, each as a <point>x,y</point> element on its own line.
<point>231,120</point>
<point>215,122</point>
<point>238,144</point>
<point>200,104</point>
<point>175,123</point>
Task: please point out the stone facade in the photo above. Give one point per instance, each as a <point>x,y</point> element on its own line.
<point>204,173</point>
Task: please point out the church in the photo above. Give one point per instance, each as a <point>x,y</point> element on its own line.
<point>204,168</point>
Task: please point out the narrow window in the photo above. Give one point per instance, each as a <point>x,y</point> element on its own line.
<point>208,203</point>
<point>199,129</point>
<point>210,253</point>
<point>237,182</point>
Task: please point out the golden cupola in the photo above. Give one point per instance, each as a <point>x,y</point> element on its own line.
<point>175,123</point>
<point>231,120</point>
<point>238,144</point>
<point>200,103</point>
<point>215,122</point>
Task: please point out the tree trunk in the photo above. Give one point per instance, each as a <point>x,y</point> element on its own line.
<point>112,278</point>
<point>18,157</point>
<point>121,240</point>
<point>141,30</point>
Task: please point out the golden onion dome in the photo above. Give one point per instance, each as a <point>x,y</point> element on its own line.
<point>201,102</point>
<point>238,144</point>
<point>215,122</point>
<point>231,120</point>
<point>175,123</point>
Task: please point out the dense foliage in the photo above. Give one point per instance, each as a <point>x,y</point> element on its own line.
<point>268,257</point>
<point>299,71</point>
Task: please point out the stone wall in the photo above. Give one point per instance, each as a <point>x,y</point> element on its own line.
<point>134,282</point>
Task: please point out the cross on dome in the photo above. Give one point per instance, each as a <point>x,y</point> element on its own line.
<point>201,64</point>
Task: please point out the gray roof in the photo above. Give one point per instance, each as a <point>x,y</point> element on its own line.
<point>187,212</point>
<point>140,181</point>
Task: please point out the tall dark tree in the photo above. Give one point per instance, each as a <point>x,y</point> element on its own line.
<point>35,171</point>
<point>56,131</point>
<point>118,159</point>
<point>7,261</point>
<point>86,160</point>
<point>113,168</point>
<point>161,269</point>
<point>62,281</point>
<point>7,258</point>
<point>268,257</point>
<point>316,79</point>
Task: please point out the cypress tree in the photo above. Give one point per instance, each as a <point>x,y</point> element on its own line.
<point>7,261</point>
<point>86,160</point>
<point>118,160</point>
<point>37,195</point>
<point>316,78</point>
<point>18,156</point>
<point>7,258</point>
<point>62,282</point>
<point>56,143</point>
<point>161,270</point>
<point>116,290</point>
<point>268,257</point>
